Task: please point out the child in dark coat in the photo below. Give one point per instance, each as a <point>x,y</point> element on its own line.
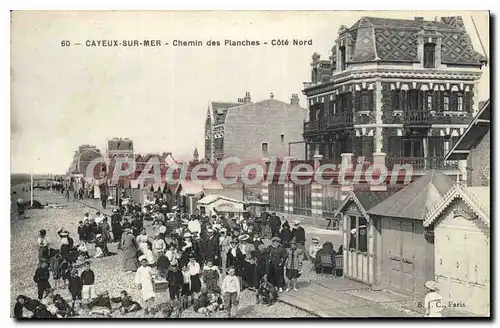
<point>82,232</point>
<point>175,280</point>
<point>75,288</point>
<point>41,278</point>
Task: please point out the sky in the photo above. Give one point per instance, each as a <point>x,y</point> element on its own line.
<point>62,97</point>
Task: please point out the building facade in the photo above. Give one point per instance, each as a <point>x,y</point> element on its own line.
<point>83,157</point>
<point>251,131</point>
<point>393,91</point>
<point>406,88</point>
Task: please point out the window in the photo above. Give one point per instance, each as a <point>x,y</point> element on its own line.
<point>446,103</point>
<point>460,106</point>
<point>265,147</point>
<point>429,55</point>
<point>331,108</point>
<point>352,232</point>
<point>429,102</point>
<point>454,101</point>
<point>358,233</point>
<point>468,101</point>
<point>413,100</point>
<point>402,99</point>
<point>395,146</point>
<point>436,147</point>
<point>366,100</point>
<point>437,101</point>
<point>342,58</point>
<point>396,101</point>
<point>413,147</point>
<point>282,137</point>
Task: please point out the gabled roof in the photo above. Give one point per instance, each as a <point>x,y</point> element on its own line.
<point>415,200</point>
<point>397,40</point>
<point>209,199</point>
<point>477,198</point>
<point>365,200</point>
<point>474,133</point>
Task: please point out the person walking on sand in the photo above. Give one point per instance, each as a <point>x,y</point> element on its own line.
<point>129,248</point>
<point>144,279</point>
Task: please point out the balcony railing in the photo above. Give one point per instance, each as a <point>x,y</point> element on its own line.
<point>417,117</point>
<point>423,163</point>
<point>311,127</point>
<point>340,120</point>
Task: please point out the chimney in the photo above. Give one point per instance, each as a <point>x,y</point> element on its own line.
<point>247,98</point>
<point>294,101</point>
<point>419,19</point>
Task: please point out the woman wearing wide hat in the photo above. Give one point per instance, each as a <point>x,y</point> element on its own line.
<point>433,302</point>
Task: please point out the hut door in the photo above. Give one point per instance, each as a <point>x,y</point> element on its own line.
<point>407,255</point>
<point>402,256</point>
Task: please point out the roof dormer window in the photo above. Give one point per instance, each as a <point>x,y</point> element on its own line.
<point>429,55</point>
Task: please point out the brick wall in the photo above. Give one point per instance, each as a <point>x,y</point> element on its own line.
<point>247,127</point>
<point>478,161</point>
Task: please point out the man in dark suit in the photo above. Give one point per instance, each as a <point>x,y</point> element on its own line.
<point>211,248</point>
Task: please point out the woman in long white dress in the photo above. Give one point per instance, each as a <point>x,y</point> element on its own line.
<point>144,278</point>
<point>142,241</point>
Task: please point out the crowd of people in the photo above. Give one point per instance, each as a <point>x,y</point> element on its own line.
<point>204,262</point>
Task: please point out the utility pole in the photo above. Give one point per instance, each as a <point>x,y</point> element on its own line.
<point>31,192</point>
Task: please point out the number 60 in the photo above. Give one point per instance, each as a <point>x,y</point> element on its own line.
<point>65,43</point>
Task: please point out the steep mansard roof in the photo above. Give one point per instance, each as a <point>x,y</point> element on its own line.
<point>396,40</point>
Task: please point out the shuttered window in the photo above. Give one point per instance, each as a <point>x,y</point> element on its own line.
<point>396,102</point>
